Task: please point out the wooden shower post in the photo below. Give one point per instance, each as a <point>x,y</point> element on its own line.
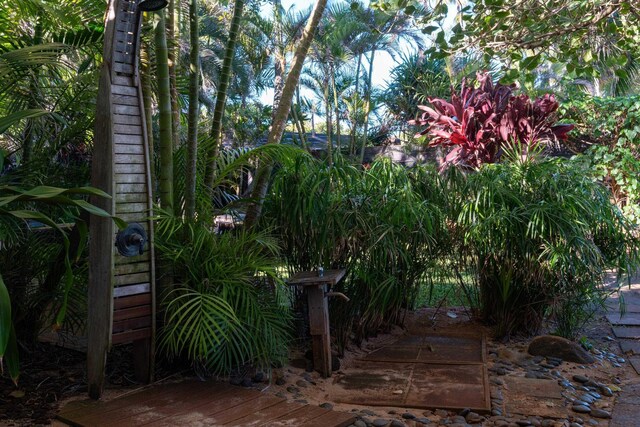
<point>317,288</point>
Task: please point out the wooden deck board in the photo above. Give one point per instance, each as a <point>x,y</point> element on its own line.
<point>199,403</point>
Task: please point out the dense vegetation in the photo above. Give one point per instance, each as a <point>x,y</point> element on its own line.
<point>496,219</point>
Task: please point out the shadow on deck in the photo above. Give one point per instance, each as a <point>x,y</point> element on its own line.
<point>196,403</point>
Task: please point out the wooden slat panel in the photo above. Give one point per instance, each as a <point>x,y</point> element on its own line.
<point>129,336</point>
<point>122,260</point>
<point>131,198</point>
<point>137,267</point>
<point>122,80</point>
<point>125,100</point>
<point>91,412</point>
<point>333,419</point>
<point>127,129</point>
<point>127,139</point>
<point>124,57</point>
<point>134,216</point>
<point>123,291</point>
<point>131,324</point>
<point>132,178</point>
<point>267,414</point>
<point>129,149</point>
<point>132,278</point>
<point>125,25</point>
<point>129,158</point>
<point>126,119</point>
<point>130,188</point>
<point>124,90</point>
<point>119,67</point>
<point>129,168</point>
<point>132,313</point>
<point>124,36</point>
<point>303,414</point>
<point>239,411</point>
<point>131,301</point>
<point>126,110</point>
<point>132,208</point>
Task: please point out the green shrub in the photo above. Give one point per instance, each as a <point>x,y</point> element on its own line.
<point>611,129</point>
<point>373,222</point>
<point>541,234</point>
<point>224,311</point>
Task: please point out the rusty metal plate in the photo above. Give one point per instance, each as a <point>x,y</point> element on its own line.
<point>449,387</point>
<point>415,385</point>
<point>530,396</point>
<point>394,354</point>
<point>375,383</point>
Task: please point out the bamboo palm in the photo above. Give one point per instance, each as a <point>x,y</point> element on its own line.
<point>223,85</point>
<point>165,120</point>
<point>172,47</point>
<point>194,110</point>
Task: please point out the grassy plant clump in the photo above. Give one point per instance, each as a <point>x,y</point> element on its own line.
<point>541,235</point>
<point>373,222</point>
<point>224,311</point>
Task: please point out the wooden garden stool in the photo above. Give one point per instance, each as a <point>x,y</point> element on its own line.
<point>318,291</point>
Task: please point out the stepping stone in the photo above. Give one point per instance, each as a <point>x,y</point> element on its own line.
<point>629,346</point>
<point>628,319</point>
<point>626,332</point>
<point>635,362</point>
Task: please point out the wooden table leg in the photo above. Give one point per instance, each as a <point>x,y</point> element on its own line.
<point>319,328</point>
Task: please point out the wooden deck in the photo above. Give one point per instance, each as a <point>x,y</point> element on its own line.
<point>199,403</point>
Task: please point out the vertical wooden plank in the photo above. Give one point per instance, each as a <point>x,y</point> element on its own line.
<point>319,326</point>
<point>100,300</point>
<point>151,242</point>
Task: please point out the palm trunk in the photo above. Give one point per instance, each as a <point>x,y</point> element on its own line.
<point>147,100</point>
<point>172,48</point>
<point>299,127</point>
<point>368,107</point>
<point>280,120</point>
<point>34,89</point>
<point>327,112</point>
<point>194,110</point>
<point>164,105</point>
<point>221,98</point>
<point>336,107</point>
<point>352,149</point>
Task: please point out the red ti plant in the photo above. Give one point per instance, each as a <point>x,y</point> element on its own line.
<point>479,122</point>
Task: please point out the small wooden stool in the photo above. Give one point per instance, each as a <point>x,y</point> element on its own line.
<point>317,288</point>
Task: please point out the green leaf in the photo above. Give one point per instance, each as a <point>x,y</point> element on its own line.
<point>8,121</point>
<point>429,29</point>
<point>12,357</point>
<point>5,318</point>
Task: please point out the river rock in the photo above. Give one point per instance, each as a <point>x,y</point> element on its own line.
<point>558,347</point>
<point>582,409</point>
<point>600,413</point>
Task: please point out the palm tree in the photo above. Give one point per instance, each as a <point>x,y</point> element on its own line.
<point>280,118</point>
<point>194,110</point>
<point>165,174</point>
<point>223,84</point>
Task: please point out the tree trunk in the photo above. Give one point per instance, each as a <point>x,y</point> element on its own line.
<point>368,107</point>
<point>327,113</point>
<point>352,149</point>
<point>280,120</point>
<point>173,63</point>
<point>221,98</point>
<point>147,100</point>
<point>34,89</point>
<point>164,106</point>
<point>194,111</point>
<point>336,107</point>
<point>280,58</point>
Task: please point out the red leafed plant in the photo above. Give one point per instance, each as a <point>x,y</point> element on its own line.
<point>479,122</point>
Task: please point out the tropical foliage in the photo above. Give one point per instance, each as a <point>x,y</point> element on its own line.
<point>480,123</point>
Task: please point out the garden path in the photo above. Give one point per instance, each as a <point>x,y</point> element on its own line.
<point>199,403</point>
<point>444,369</point>
<point>626,327</point>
